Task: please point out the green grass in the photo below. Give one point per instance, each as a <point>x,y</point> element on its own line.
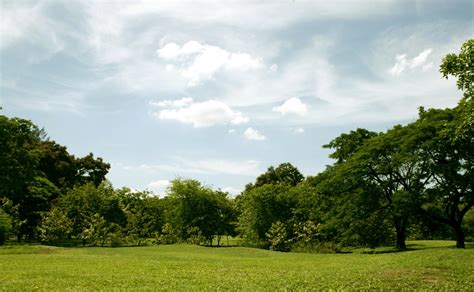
<point>430,265</point>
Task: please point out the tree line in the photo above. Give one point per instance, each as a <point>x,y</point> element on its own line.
<point>411,181</point>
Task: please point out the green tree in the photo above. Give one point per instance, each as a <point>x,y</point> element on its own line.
<point>262,206</point>
<point>448,196</point>
<point>194,205</point>
<point>90,169</point>
<point>57,165</point>
<point>5,226</point>
<point>277,236</point>
<point>55,226</point>
<point>285,173</point>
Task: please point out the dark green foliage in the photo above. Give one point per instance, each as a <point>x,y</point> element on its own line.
<point>285,173</point>
<point>260,208</point>
<point>193,205</point>
<point>5,226</point>
<point>90,169</point>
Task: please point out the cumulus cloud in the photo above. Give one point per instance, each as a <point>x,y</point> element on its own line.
<point>402,63</point>
<point>199,62</point>
<point>292,106</point>
<point>252,134</point>
<point>200,114</point>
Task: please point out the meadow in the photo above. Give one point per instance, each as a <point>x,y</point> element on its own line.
<point>426,265</point>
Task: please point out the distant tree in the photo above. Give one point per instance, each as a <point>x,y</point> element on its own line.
<point>57,165</point>
<point>262,206</point>
<point>96,230</point>
<point>5,226</point>
<point>285,173</point>
<point>140,221</point>
<point>346,145</point>
<point>168,234</point>
<point>194,205</point>
<point>90,169</point>
<point>55,226</point>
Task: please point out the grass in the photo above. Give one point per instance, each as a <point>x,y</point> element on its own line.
<point>428,265</point>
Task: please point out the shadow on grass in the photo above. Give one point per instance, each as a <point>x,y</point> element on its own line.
<point>414,247</point>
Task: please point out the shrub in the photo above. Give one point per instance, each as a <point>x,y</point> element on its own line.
<point>195,235</point>
<point>277,237</point>
<point>168,235</point>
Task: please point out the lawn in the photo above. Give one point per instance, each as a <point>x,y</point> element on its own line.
<point>428,265</point>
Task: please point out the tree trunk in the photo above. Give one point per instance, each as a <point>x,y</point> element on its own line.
<point>459,235</point>
<point>400,229</point>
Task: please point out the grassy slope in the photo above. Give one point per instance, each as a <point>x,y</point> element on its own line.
<point>435,264</point>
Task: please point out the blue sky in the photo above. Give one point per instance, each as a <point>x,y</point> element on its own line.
<point>220,90</point>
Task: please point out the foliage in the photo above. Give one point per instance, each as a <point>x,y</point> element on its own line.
<point>285,173</point>
<point>277,237</point>
<point>462,67</point>
<point>5,226</point>
<point>168,235</point>
<point>55,226</point>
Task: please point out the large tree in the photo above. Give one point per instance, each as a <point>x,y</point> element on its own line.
<point>284,173</point>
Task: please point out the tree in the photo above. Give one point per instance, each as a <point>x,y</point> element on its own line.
<point>262,206</point>
<point>449,195</point>
<point>57,165</point>
<point>140,221</point>
<point>354,208</point>
<point>5,226</point>
<point>194,205</point>
<point>55,226</point>
<point>346,145</point>
<point>462,67</point>
<point>285,173</point>
<point>90,169</point>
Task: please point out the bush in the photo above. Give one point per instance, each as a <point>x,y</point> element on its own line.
<point>116,239</point>
<point>195,235</point>
<point>168,235</point>
<point>55,226</point>
<point>277,237</point>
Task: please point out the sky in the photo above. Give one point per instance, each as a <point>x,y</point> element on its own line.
<point>218,91</point>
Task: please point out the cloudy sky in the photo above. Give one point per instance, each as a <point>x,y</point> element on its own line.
<point>220,90</point>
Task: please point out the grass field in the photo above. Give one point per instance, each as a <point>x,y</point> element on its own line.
<point>430,265</point>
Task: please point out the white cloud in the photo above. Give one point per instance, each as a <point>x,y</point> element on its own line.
<point>180,166</point>
<point>231,190</point>
<point>231,131</point>
<point>420,59</point>
<point>252,134</point>
<point>177,103</point>
<point>159,186</point>
<point>203,114</point>
<point>200,62</point>
<point>298,131</point>
<point>292,106</point>
<point>403,63</point>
